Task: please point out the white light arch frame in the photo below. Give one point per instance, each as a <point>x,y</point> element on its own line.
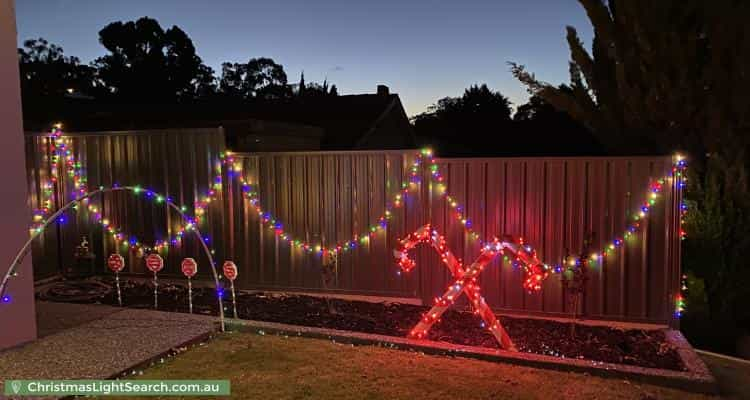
<point>134,189</point>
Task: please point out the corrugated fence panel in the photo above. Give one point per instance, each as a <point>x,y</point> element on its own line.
<point>176,163</point>
<point>596,212</point>
<point>555,204</point>
<point>494,221</point>
<point>555,227</point>
<point>329,197</point>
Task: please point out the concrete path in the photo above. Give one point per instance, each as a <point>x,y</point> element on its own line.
<point>733,374</point>
<point>52,318</point>
<point>78,341</point>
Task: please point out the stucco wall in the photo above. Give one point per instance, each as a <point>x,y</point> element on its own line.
<point>17,317</point>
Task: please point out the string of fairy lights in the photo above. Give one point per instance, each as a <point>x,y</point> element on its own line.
<point>60,149</point>
<point>677,175</point>
<point>235,168</point>
<point>62,158</point>
<point>273,223</point>
<point>124,241</point>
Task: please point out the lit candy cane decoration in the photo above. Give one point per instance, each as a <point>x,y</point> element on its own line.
<point>466,279</point>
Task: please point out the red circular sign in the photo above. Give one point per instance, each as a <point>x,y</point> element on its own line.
<point>115,262</point>
<point>189,267</point>
<point>154,262</point>
<point>230,270</point>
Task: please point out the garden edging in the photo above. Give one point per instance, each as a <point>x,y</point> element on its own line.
<point>697,378</point>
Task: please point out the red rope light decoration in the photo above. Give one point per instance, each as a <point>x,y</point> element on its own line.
<point>466,278</point>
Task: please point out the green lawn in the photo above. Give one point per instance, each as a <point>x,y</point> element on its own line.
<point>264,367</point>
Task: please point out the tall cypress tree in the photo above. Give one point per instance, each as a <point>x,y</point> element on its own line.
<point>669,74</point>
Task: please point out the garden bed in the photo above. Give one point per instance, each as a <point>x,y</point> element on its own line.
<point>637,347</point>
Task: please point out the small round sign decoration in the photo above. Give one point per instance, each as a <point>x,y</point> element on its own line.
<point>155,263</point>
<point>189,268</point>
<point>230,272</point>
<point>116,263</point>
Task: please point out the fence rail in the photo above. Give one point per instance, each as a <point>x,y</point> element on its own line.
<point>329,196</point>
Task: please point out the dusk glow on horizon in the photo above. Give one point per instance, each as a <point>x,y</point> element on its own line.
<point>423,50</point>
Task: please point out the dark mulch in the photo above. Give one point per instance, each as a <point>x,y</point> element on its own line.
<point>596,343</point>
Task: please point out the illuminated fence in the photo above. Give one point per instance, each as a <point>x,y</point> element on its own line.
<point>326,197</point>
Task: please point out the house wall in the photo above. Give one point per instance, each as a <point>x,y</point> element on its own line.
<point>17,317</point>
<point>329,196</point>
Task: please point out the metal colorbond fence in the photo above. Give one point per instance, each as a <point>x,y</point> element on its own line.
<point>178,162</point>
<point>328,196</point>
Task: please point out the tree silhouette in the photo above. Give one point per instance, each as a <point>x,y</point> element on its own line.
<point>144,64</point>
<point>204,86</point>
<point>301,87</point>
<point>46,71</point>
<point>481,102</point>
<point>554,131</point>
<point>668,74</point>
<point>535,109</point>
<point>259,78</point>
<point>314,90</point>
<point>456,124</point>
<point>661,73</point>
<point>147,62</point>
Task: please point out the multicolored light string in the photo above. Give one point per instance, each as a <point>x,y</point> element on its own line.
<point>154,196</point>
<point>131,242</point>
<point>425,156</point>
<point>201,206</point>
<point>677,174</point>
<point>320,249</point>
<point>62,155</point>
<point>680,298</point>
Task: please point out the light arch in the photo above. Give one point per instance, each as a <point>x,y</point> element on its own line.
<point>133,189</point>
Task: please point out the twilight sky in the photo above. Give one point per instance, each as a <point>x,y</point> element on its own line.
<point>422,49</point>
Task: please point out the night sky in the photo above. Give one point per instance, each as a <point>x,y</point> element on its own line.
<point>422,49</point>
